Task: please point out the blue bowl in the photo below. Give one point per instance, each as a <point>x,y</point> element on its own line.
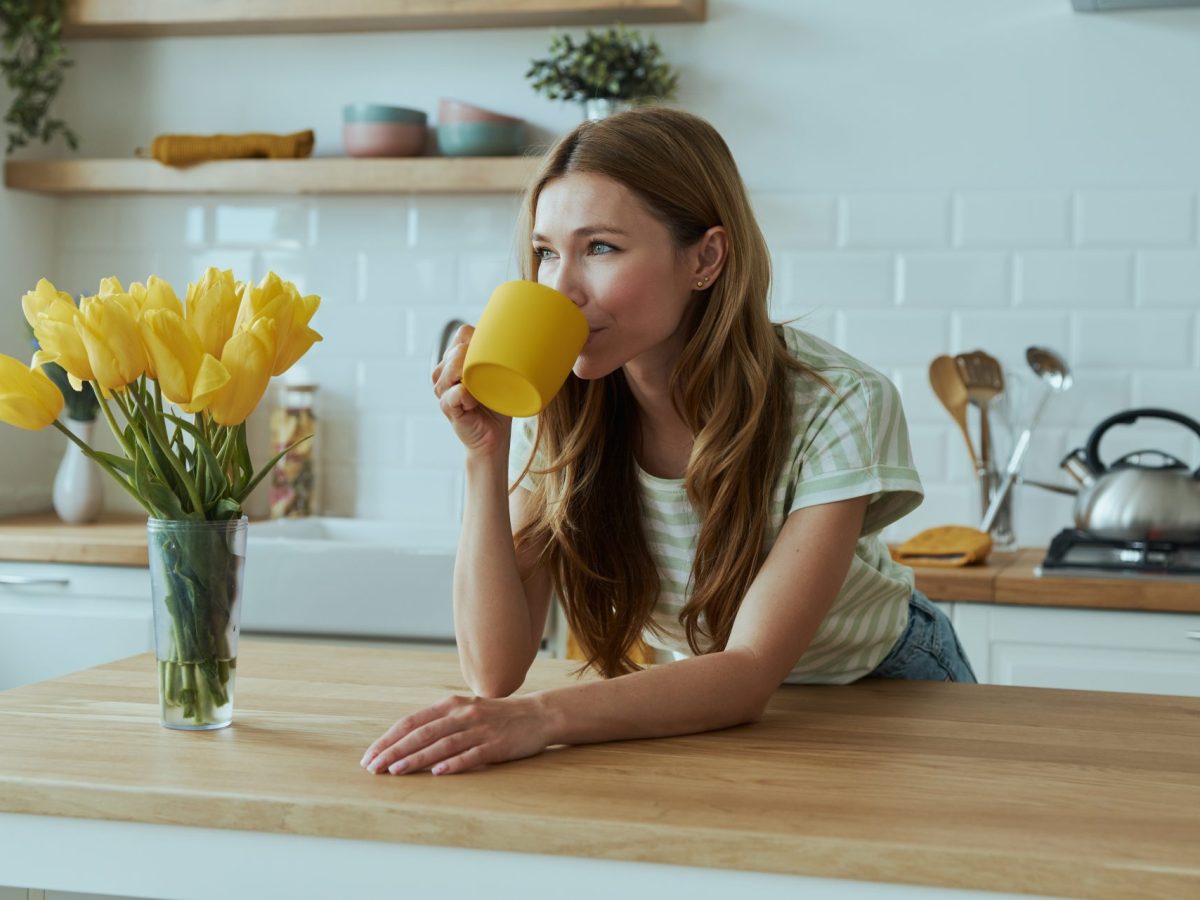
<point>377,112</point>
<point>480,138</point>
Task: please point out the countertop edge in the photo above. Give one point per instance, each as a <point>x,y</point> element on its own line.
<point>697,846</point>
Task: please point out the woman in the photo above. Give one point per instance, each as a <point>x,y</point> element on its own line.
<point>706,480</point>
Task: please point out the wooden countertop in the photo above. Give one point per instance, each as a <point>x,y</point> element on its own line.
<point>1006,577</point>
<point>974,786</point>
<point>43,537</point>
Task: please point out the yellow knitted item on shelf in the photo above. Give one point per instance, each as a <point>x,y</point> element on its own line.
<point>187,149</point>
<point>945,545</point>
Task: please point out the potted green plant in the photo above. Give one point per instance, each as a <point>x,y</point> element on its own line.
<point>607,71</point>
<point>34,62</point>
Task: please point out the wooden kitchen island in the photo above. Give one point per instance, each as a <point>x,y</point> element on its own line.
<point>977,787</point>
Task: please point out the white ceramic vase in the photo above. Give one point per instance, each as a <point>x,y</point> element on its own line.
<point>602,107</point>
<point>78,493</point>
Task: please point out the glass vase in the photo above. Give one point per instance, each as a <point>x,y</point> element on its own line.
<point>196,584</point>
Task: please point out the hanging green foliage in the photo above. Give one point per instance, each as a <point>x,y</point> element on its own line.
<point>34,63</point>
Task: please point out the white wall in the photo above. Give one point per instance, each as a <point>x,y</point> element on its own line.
<point>27,235</point>
<point>933,176</point>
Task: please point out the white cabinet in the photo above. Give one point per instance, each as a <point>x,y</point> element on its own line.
<point>56,619</point>
<point>1085,649</point>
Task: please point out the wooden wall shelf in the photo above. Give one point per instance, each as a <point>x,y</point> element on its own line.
<point>141,19</point>
<point>331,175</point>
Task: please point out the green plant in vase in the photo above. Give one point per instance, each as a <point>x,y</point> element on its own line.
<point>607,70</point>
<point>175,381</point>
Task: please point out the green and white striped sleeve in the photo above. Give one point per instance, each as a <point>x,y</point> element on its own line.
<point>854,444</point>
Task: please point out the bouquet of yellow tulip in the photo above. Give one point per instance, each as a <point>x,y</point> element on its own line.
<point>210,358</point>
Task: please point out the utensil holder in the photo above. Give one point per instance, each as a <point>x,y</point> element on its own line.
<point>1001,532</point>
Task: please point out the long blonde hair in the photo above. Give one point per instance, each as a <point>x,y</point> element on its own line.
<point>731,386</point>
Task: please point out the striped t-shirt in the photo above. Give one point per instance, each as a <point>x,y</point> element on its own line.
<point>849,442</point>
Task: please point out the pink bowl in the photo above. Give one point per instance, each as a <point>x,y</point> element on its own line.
<point>457,111</point>
<point>384,138</point>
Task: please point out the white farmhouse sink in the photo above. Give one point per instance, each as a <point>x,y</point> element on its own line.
<point>348,577</point>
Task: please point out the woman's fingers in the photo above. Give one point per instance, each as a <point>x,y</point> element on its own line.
<point>405,726</point>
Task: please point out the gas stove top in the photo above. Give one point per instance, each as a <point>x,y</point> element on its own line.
<point>1075,552</point>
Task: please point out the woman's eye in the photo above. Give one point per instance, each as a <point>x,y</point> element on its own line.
<point>595,245</point>
<point>542,253</point>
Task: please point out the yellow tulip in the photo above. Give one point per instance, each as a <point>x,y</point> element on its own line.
<point>280,301</point>
<point>212,308</point>
<point>155,294</point>
<point>247,357</point>
<point>40,299</point>
<point>28,399</point>
<point>188,376</point>
<point>53,320</point>
<point>110,334</point>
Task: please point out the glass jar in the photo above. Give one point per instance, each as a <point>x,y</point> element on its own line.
<point>294,484</point>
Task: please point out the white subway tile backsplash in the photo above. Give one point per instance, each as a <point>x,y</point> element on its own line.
<point>408,277</point>
<point>796,221</point>
<point>955,280</point>
<point>458,224</point>
<point>1089,279</point>
<point>280,223</point>
<point>1135,340</point>
<point>89,223</point>
<point>929,447</point>
<point>894,220</point>
<point>839,279</point>
<point>883,338</point>
<point>1007,334</point>
<point>1177,389</point>
<point>161,221</point>
<point>1094,394</point>
<point>430,442</point>
<point>478,275</point>
<point>1012,219</point>
<point>1121,218</point>
<point>1168,278</point>
<point>388,386</point>
<point>362,223</point>
<point>360,330</point>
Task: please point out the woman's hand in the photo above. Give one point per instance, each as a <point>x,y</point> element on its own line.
<point>482,431</point>
<point>461,733</point>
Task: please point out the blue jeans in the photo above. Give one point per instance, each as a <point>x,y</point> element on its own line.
<point>928,650</point>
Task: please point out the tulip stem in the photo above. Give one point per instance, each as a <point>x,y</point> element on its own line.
<point>91,454</point>
<point>161,439</point>
<point>112,423</point>
<point>139,435</point>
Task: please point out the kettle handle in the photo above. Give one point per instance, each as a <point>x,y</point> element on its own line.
<point>1128,418</point>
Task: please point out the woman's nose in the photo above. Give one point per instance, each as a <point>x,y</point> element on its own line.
<point>564,280</point>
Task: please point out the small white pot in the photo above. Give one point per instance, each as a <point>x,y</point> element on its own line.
<point>78,493</point>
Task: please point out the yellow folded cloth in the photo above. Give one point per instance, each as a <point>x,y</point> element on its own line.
<point>187,149</point>
<point>945,545</point>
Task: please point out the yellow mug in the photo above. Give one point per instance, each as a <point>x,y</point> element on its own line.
<point>523,348</point>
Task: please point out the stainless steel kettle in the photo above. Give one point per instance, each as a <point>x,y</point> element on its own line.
<point>1147,495</point>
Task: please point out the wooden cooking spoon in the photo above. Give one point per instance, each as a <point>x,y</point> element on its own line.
<point>948,384</point>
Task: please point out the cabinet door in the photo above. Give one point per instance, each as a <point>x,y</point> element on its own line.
<point>1086,649</point>
<point>56,619</point>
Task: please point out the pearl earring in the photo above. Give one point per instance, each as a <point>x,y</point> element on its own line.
<point>700,284</point>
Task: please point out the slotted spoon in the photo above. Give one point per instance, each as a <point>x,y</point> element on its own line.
<point>984,378</point>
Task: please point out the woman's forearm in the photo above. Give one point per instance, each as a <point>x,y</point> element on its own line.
<point>703,693</point>
<point>491,615</point>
